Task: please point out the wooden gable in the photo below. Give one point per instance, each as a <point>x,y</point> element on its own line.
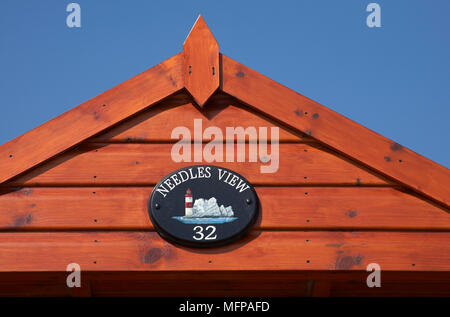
<point>335,205</point>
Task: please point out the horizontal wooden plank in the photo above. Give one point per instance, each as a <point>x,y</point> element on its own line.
<point>90,118</point>
<point>34,284</point>
<point>206,284</point>
<point>348,208</point>
<point>283,208</point>
<point>270,284</point>
<point>281,251</point>
<point>391,289</point>
<point>338,132</point>
<point>222,111</point>
<point>225,283</point>
<point>153,284</point>
<point>143,164</point>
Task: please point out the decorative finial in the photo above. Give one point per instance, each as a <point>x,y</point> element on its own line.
<point>201,62</point>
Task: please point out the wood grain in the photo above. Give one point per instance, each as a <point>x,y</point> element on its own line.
<point>76,190</point>
<point>201,62</point>
<point>268,284</point>
<point>225,284</point>
<point>281,251</point>
<point>283,208</point>
<point>147,164</point>
<point>90,118</point>
<point>410,288</point>
<point>156,123</point>
<point>340,133</point>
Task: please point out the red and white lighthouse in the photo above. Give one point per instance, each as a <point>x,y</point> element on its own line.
<point>188,203</point>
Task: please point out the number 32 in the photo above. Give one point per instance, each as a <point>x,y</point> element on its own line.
<point>198,230</point>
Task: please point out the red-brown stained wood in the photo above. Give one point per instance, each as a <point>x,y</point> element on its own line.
<point>283,208</point>
<point>147,164</point>
<point>336,131</point>
<point>325,215</point>
<point>349,208</point>
<point>223,285</point>
<point>411,288</point>
<point>320,288</point>
<point>226,284</point>
<point>201,62</point>
<point>153,284</point>
<point>281,251</point>
<point>34,284</point>
<point>268,283</point>
<point>156,124</point>
<point>90,118</point>
<point>394,289</point>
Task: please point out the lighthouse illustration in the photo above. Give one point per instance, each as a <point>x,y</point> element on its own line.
<point>204,211</point>
<point>188,203</point>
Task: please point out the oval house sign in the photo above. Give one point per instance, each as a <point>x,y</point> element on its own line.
<point>203,206</point>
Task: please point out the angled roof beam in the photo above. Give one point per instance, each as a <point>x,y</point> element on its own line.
<point>198,70</point>
<point>342,134</point>
<point>90,118</point>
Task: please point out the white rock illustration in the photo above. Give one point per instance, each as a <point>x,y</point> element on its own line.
<point>210,208</point>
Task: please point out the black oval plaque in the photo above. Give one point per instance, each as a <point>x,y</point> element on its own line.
<point>203,206</point>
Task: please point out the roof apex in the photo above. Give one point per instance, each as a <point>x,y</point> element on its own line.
<point>201,62</point>
<point>199,24</point>
<point>197,69</point>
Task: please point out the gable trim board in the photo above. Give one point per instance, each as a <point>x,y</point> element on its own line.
<point>88,119</point>
<point>201,62</point>
<point>349,138</point>
<point>336,131</point>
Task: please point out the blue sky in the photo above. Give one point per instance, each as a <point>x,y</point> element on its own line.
<point>394,80</point>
